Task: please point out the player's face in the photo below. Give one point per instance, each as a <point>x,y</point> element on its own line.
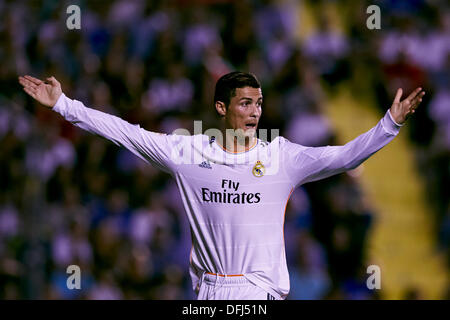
<point>245,110</point>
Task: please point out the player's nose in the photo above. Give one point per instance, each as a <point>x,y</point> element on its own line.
<point>255,111</point>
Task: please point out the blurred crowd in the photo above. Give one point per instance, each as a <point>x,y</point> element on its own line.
<point>71,198</point>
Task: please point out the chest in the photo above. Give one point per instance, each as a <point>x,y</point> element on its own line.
<point>247,183</point>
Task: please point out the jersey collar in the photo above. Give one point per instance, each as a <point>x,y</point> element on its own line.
<point>212,140</point>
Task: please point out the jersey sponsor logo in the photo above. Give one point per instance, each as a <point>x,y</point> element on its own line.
<point>230,197</point>
<point>230,194</point>
<point>258,169</point>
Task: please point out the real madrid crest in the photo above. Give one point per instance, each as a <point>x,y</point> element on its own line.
<point>258,169</point>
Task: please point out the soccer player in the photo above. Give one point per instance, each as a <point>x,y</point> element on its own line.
<point>234,186</point>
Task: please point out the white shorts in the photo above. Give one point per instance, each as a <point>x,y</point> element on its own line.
<point>219,287</point>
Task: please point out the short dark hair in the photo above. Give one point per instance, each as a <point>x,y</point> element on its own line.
<point>227,84</point>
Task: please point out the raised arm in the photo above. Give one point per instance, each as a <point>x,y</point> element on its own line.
<point>314,163</point>
<point>151,147</point>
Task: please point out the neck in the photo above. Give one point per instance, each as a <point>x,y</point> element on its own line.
<point>234,143</point>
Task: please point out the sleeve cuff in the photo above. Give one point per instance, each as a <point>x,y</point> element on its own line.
<point>59,105</point>
<point>390,115</point>
<point>389,124</point>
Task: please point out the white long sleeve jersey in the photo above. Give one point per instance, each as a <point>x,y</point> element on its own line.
<point>235,202</point>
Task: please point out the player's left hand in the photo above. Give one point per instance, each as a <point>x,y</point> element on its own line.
<point>401,110</point>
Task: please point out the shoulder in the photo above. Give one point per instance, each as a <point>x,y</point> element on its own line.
<point>277,141</point>
<point>183,135</point>
<point>285,143</point>
<point>201,141</point>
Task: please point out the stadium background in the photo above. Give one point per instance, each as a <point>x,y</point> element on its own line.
<point>68,197</point>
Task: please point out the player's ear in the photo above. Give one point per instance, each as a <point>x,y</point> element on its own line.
<point>221,108</point>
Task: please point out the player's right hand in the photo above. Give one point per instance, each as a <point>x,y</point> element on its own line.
<point>47,93</point>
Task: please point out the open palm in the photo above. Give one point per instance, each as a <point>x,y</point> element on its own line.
<point>47,93</point>
<point>401,110</point>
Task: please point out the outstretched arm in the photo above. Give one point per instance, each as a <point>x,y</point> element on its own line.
<point>149,146</point>
<point>315,163</point>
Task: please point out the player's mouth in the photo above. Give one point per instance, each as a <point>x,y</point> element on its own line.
<point>250,125</point>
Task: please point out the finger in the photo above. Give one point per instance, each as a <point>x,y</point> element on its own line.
<point>31,92</point>
<point>398,95</point>
<point>52,80</point>
<point>26,83</point>
<point>414,94</point>
<point>34,80</point>
<point>417,100</point>
<point>23,81</point>
<point>416,104</point>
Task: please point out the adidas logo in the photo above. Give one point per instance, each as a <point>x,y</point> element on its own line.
<point>205,165</point>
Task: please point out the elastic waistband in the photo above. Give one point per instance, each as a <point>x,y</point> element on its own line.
<point>223,279</point>
<point>225,275</point>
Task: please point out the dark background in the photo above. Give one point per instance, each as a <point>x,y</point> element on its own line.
<point>68,197</point>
